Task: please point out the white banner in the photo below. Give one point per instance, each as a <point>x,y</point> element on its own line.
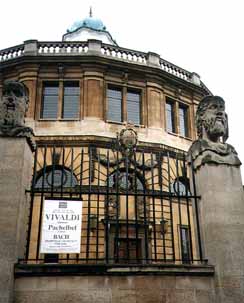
<point>61,226</point>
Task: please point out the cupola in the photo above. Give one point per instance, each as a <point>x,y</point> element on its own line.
<point>89,28</point>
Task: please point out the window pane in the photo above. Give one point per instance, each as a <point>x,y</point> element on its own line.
<point>114,96</point>
<point>133,107</point>
<point>185,244</point>
<point>56,177</point>
<point>170,117</point>
<point>183,121</point>
<point>71,100</point>
<point>50,101</point>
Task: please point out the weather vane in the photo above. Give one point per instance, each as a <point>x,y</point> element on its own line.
<point>90,13</point>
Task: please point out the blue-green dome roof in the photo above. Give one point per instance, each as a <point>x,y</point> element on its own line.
<point>89,22</point>
<point>88,29</point>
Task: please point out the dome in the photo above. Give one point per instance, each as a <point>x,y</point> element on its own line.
<point>89,28</point>
<point>89,22</point>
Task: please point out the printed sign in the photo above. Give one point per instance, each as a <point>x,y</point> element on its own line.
<point>61,226</point>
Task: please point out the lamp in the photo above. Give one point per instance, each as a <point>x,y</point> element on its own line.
<point>93,222</point>
<point>164,224</point>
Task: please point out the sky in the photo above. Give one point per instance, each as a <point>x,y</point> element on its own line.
<point>204,36</point>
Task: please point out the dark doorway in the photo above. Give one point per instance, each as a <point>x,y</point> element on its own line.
<point>128,251</point>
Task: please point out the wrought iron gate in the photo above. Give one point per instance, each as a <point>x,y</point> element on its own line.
<point>137,204</point>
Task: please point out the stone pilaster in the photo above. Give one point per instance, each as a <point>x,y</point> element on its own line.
<point>221,210</point>
<point>15,175</point>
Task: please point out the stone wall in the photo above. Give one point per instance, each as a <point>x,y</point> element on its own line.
<point>15,175</point>
<point>221,211</point>
<point>116,289</point>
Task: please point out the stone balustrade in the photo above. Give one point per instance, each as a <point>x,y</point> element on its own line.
<point>36,48</point>
<point>11,52</point>
<point>175,70</point>
<point>55,48</point>
<point>124,54</point>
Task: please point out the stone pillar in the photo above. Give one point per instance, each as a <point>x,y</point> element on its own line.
<point>221,206</point>
<point>221,210</point>
<point>31,47</point>
<point>195,78</point>
<point>15,175</point>
<point>153,59</point>
<point>94,47</point>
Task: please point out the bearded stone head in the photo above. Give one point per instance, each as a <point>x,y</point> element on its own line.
<point>13,107</point>
<point>14,104</point>
<point>211,119</point>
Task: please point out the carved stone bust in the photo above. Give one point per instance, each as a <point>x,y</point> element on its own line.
<point>212,130</point>
<point>13,107</point>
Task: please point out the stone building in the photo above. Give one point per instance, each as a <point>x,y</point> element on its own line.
<point>103,144</point>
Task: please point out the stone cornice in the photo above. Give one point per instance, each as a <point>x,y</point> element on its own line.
<point>93,50</point>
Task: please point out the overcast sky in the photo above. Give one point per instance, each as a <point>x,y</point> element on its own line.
<point>205,36</point>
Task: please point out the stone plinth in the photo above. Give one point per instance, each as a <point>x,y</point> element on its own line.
<point>115,289</point>
<point>221,210</point>
<point>15,175</point>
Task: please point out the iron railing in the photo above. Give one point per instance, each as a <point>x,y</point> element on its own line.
<point>137,205</point>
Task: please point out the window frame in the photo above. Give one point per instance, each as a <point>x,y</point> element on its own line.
<point>172,103</point>
<point>63,98</point>
<point>124,113</point>
<point>44,85</point>
<point>60,105</point>
<point>185,260</point>
<point>176,106</point>
<point>139,93</point>
<point>117,88</point>
<point>185,109</point>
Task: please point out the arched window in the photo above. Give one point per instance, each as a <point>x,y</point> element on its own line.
<point>180,186</point>
<point>57,176</point>
<point>122,180</point>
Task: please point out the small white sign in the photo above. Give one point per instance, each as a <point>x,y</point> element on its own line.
<point>61,226</point>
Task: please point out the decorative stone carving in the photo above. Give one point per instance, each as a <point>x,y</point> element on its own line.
<point>113,205</point>
<point>212,130</point>
<point>128,139</point>
<point>13,107</point>
<point>141,210</point>
<point>126,143</point>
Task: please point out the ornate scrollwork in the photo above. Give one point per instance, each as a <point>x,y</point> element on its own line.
<point>126,143</point>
